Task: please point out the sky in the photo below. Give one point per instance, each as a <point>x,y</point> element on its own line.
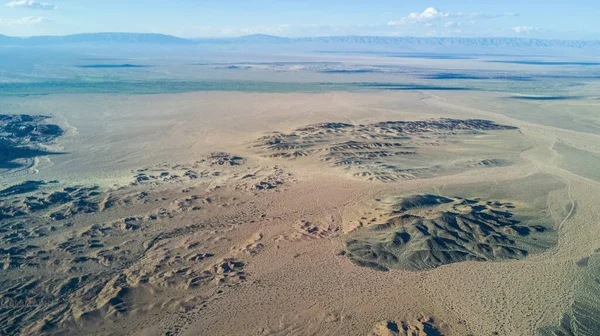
<point>574,19</point>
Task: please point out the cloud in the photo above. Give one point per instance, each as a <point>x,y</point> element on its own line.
<point>523,29</point>
<point>27,20</point>
<point>432,14</point>
<point>32,4</point>
<point>428,14</point>
<point>453,24</point>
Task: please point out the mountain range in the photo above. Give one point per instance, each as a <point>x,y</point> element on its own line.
<point>259,39</point>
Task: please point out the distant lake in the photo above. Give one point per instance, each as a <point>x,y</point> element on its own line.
<point>545,97</point>
<point>477,77</point>
<point>410,87</point>
<point>170,86</point>
<point>108,66</point>
<point>548,63</point>
<point>356,71</point>
<point>519,89</point>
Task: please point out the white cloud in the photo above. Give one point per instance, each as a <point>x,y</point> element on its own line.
<point>458,24</point>
<point>33,4</point>
<point>523,29</point>
<point>432,14</point>
<point>428,14</point>
<point>27,20</point>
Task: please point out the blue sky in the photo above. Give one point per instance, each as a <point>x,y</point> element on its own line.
<point>202,18</point>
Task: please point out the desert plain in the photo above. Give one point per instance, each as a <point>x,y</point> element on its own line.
<point>411,211</point>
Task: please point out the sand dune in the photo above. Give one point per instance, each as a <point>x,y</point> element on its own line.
<point>427,231</point>
<point>395,150</point>
<point>581,318</point>
<point>115,262</point>
<point>424,326</point>
<point>24,137</point>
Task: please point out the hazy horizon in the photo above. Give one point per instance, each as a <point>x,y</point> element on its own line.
<point>439,18</point>
<point>305,37</point>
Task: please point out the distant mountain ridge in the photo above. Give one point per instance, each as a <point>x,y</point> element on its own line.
<point>128,38</point>
<point>408,40</point>
<point>259,39</point>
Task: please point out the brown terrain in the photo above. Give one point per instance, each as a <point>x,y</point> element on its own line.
<point>295,214</point>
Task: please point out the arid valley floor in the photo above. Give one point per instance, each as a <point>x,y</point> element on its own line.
<point>383,212</point>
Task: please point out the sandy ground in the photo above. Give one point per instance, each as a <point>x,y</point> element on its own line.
<point>180,241</point>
